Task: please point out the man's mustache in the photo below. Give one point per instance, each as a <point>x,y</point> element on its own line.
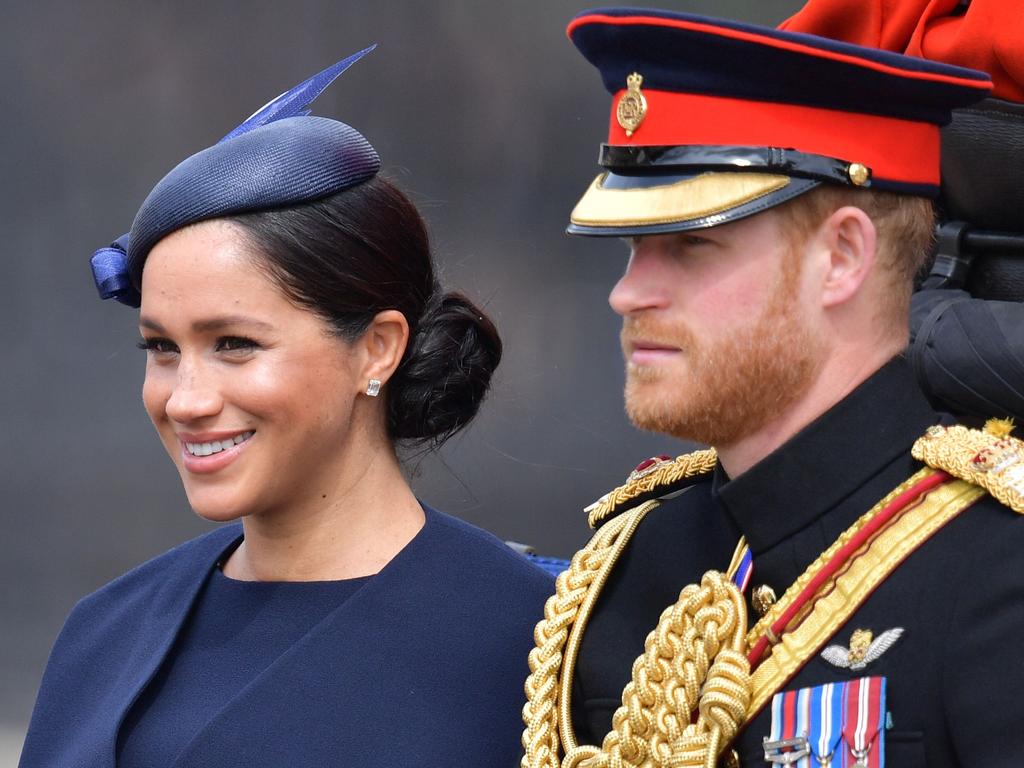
<point>659,333</point>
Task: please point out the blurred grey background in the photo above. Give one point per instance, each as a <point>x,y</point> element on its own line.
<point>483,112</point>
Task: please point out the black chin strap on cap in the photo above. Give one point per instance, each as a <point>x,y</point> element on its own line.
<point>701,159</point>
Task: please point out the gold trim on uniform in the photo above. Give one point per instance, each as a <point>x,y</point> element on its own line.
<point>640,483</point>
<point>674,681</point>
<point>855,582</point>
<point>695,198</point>
<point>547,710</point>
<point>989,458</point>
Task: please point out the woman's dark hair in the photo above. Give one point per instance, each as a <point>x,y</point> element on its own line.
<point>364,250</point>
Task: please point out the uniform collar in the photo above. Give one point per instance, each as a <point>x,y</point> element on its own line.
<point>829,459</point>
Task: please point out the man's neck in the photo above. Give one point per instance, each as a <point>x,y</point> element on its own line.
<point>837,378</point>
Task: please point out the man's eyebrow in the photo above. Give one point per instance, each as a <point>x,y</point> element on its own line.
<point>211,324</point>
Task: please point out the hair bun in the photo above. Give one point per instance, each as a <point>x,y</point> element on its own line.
<point>446,372</point>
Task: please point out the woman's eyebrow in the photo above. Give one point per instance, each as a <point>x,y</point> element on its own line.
<point>223,321</point>
<point>210,324</point>
<point>151,324</point>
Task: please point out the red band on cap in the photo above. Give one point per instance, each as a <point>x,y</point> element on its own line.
<point>895,150</point>
<point>775,42</point>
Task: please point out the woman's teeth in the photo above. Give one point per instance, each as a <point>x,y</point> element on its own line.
<point>206,449</point>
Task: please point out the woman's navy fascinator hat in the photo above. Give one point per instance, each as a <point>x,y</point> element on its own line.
<point>279,156</point>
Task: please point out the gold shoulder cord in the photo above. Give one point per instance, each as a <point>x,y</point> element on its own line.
<point>546,713</point>
<point>694,662</point>
<point>988,458</point>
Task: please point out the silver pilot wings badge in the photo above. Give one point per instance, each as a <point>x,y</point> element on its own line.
<point>864,648</point>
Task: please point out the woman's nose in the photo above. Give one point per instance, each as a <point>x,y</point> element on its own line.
<point>195,395</point>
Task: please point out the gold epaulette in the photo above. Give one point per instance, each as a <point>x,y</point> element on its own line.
<point>988,458</point>
<point>650,476</point>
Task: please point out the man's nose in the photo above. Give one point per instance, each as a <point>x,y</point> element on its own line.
<point>642,286</point>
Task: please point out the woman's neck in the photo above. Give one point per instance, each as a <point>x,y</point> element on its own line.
<point>352,530</point>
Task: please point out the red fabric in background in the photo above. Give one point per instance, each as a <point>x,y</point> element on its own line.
<point>989,36</point>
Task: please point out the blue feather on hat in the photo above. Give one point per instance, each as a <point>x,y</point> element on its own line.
<point>284,163</point>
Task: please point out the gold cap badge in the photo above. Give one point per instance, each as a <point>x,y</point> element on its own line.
<point>632,106</point>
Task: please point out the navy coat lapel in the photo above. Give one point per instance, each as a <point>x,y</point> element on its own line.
<point>340,655</point>
<point>111,645</point>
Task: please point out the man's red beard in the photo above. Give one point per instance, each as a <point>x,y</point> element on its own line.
<point>727,389</point>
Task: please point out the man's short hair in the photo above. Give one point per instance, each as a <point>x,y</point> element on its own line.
<point>905,226</point>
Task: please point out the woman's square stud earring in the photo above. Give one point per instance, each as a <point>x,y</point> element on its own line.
<point>373,387</point>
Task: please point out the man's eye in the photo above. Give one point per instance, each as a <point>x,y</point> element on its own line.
<point>693,240</point>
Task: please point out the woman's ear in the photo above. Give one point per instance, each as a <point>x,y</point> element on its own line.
<point>383,343</point>
<point>849,239</point>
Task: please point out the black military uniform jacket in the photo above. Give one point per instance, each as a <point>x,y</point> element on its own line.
<point>955,678</point>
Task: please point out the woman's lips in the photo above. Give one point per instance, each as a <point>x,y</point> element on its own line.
<point>211,452</point>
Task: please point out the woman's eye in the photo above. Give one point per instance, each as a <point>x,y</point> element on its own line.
<point>158,346</point>
<point>236,344</point>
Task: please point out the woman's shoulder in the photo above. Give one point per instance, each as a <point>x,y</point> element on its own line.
<point>479,553</point>
<point>128,621</point>
<point>163,573</point>
<point>474,593</point>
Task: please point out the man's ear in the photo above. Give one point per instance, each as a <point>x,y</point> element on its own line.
<point>382,344</point>
<point>849,239</point>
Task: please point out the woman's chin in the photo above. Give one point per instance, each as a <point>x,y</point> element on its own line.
<point>217,510</point>
<point>219,515</point>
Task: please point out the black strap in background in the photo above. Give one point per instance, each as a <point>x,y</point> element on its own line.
<point>968,355</point>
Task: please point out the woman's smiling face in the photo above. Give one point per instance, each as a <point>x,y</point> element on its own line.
<point>252,395</point>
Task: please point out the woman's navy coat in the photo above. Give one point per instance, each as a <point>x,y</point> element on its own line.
<point>423,666</point>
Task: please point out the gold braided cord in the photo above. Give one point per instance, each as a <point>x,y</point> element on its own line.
<point>680,468</point>
<point>989,458</point>
<point>689,690</point>
<point>541,714</point>
<point>571,653</point>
